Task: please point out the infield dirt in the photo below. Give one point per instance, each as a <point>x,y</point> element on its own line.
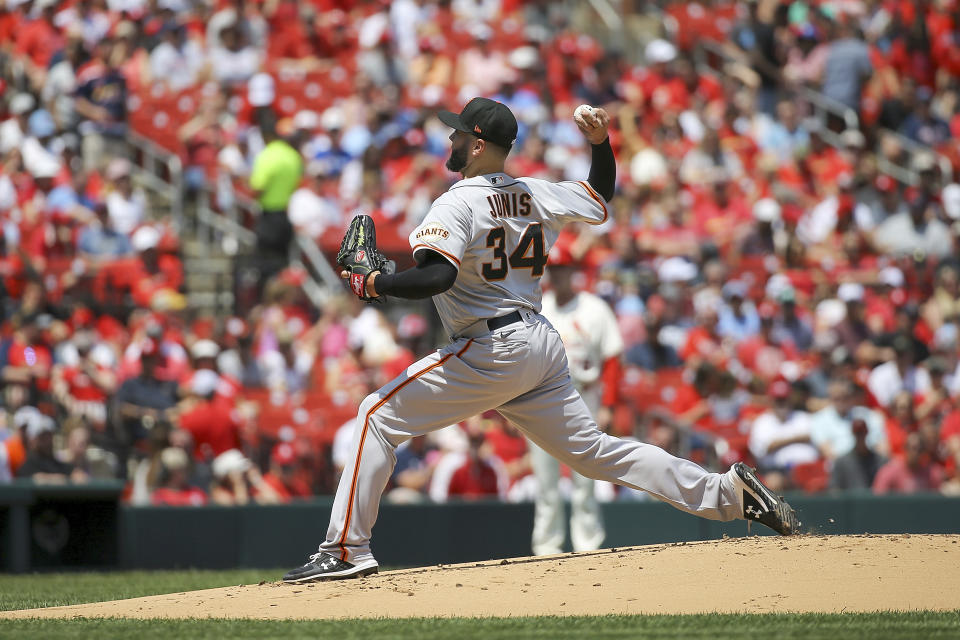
<point>829,574</point>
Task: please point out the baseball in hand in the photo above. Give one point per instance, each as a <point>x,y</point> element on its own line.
<point>592,122</point>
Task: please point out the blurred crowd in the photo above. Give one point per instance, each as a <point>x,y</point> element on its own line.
<point>782,300</point>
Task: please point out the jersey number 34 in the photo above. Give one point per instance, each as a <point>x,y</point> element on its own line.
<point>528,254</point>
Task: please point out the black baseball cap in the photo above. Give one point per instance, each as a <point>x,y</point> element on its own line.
<point>486,119</point>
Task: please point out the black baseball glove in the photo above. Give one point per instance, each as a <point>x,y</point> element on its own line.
<point>359,257</point>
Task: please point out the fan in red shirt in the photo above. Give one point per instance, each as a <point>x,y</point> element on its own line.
<point>29,360</point>
<point>703,343</point>
<point>283,476</point>
<point>152,273</point>
<point>508,444</point>
<point>719,212</point>
<point>762,354</point>
<point>83,388</point>
<point>476,477</point>
<point>174,489</point>
<point>211,420</point>
<point>39,38</point>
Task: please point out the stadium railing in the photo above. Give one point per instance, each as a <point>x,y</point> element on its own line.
<point>161,172</point>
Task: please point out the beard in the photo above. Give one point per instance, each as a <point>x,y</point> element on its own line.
<point>457,160</point>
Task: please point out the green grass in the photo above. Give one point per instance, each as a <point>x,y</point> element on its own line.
<point>45,590</point>
<point>56,589</point>
<point>880,626</point>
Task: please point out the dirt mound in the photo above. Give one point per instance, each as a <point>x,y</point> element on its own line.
<point>745,575</point>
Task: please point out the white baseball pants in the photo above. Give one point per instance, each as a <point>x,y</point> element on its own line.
<point>520,370</point>
<point>549,526</point>
<point>586,520</point>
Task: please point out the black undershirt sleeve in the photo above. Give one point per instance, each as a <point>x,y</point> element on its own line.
<point>434,274</point>
<point>603,169</point>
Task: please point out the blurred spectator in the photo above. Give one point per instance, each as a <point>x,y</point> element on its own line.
<point>899,373</point>
<point>653,353</point>
<point>311,209</point>
<point>177,60</point>
<point>233,57</point>
<point>288,367</point>
<point>765,354</point>
<point>471,474</point>
<point>101,103</point>
<point>847,66</point>
<point>856,469</point>
<point>737,319</point>
<point>241,364</point>
<point>203,137</point>
<point>237,482</point>
<point>784,134</point>
<point>13,130</point>
<point>60,84</point>
<point>781,437</point>
<point>173,487</point>
<point>28,358</point>
<point>831,428</point>
<point>100,241</point>
<point>41,465</point>
<point>39,157</point>
<point>790,326</point>
<point>282,476</point>
<point>760,240</point>
<point>87,461</point>
<point>916,231</point>
<point>412,472</point>
<point>126,206</point>
<point>83,383</point>
<point>208,418</point>
<point>39,38</point>
<point>154,278</point>
<point>910,473</point>
<point>143,402</point>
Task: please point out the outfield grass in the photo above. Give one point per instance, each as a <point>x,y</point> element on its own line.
<point>32,591</point>
<point>881,626</point>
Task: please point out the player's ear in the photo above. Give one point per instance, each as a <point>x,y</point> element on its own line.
<point>479,144</point>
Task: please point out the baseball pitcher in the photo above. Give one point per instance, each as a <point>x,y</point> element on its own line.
<point>480,253</point>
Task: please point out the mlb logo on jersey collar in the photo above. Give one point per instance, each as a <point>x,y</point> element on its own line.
<point>496,180</point>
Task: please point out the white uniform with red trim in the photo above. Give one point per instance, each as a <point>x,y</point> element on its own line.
<point>590,337</point>
<point>497,230</point>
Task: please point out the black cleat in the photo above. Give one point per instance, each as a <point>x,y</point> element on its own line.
<point>761,505</point>
<point>323,566</point>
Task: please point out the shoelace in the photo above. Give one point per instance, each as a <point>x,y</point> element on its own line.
<point>316,557</point>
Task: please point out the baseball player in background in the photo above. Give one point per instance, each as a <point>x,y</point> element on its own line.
<point>592,341</point>
<point>480,253</point>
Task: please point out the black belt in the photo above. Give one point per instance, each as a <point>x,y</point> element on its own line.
<point>498,323</point>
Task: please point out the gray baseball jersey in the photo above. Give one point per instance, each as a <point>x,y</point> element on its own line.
<point>497,231</point>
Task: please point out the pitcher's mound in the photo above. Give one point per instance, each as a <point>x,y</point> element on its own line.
<point>744,575</point>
